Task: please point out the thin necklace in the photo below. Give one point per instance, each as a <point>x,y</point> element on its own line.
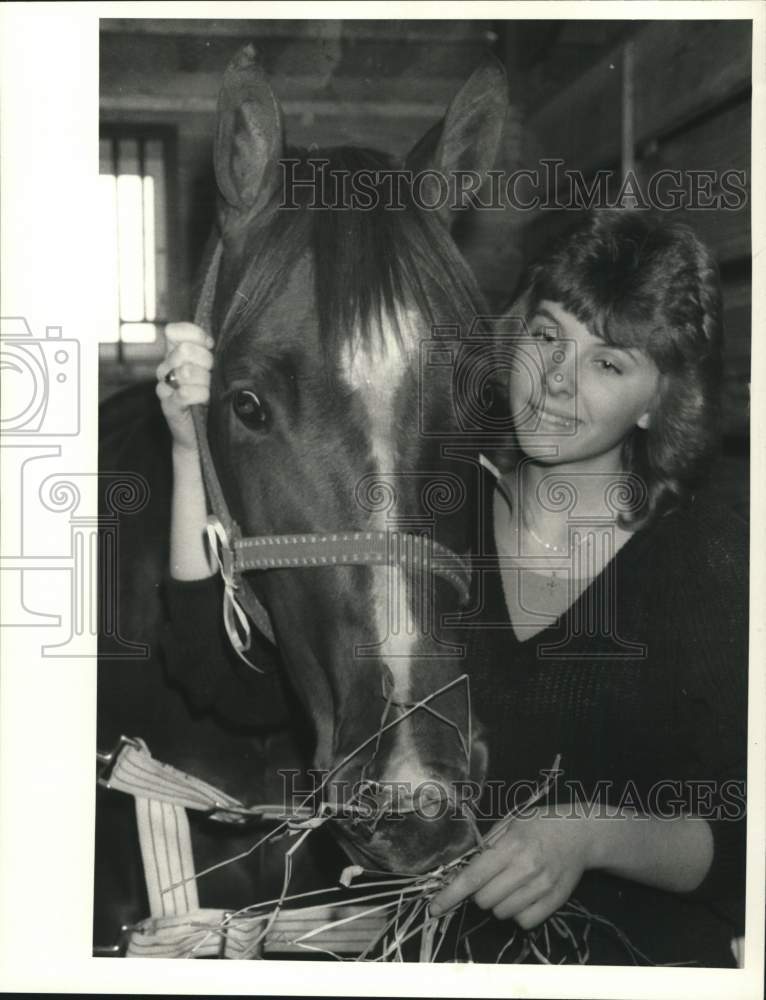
<point>553,582</point>
<point>548,545</point>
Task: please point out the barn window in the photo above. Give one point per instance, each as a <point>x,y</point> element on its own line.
<point>133,215</point>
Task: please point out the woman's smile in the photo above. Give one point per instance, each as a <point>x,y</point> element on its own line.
<point>555,420</point>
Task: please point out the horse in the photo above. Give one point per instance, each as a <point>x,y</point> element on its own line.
<point>334,411</point>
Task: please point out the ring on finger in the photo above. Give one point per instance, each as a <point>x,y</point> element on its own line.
<point>172,379</point>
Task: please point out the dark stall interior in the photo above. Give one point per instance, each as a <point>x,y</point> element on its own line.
<point>598,95</point>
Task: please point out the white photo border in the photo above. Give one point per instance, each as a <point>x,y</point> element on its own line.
<point>49,123</point>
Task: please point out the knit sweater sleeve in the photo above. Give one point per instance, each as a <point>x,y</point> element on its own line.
<point>201,663</point>
<point>711,662</point>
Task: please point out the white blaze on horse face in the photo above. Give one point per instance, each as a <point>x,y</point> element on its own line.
<point>376,371</point>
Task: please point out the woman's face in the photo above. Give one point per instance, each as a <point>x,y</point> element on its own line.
<point>574,398</point>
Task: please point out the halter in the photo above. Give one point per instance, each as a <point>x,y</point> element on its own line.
<point>236,555</point>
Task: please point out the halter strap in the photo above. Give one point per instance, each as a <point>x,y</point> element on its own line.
<point>236,555</point>
<point>349,548</point>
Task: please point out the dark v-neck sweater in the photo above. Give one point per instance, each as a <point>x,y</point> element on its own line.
<point>660,698</point>
<point>640,711</point>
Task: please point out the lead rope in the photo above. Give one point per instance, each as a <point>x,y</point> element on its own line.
<point>239,599</point>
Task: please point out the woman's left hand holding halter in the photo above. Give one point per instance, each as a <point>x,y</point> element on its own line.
<point>183,380</point>
<point>528,872</point>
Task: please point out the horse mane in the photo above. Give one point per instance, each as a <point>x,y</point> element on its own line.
<point>365,261</point>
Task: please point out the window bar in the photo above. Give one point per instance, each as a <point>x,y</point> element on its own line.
<point>115,172</point>
<point>142,175</point>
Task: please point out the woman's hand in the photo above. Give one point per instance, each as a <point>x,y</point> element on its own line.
<point>530,870</point>
<point>190,357</point>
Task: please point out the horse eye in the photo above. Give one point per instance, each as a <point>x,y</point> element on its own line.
<point>250,410</point>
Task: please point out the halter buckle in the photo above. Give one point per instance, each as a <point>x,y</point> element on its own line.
<point>106,761</point>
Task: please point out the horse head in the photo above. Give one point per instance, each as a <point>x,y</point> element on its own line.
<point>318,394</point>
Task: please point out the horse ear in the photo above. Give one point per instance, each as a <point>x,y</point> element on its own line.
<point>469,136</point>
<point>249,136</point>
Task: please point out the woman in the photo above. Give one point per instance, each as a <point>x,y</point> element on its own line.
<point>613,636</point>
<point>618,621</point>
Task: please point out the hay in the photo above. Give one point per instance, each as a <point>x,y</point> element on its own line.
<point>400,902</point>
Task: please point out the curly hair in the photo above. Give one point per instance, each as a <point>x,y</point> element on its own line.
<point>637,280</point>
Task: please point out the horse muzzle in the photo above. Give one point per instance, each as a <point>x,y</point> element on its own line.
<point>407,827</point>
<point>410,842</point>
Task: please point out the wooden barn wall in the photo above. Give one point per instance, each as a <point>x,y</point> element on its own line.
<point>377,84</point>
<point>691,110</point>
